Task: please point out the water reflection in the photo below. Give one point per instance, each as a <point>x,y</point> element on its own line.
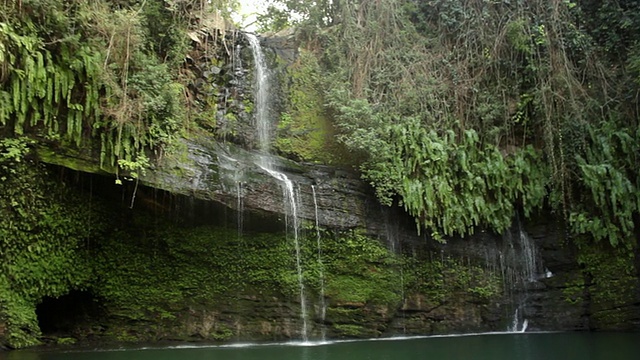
<point>584,346</point>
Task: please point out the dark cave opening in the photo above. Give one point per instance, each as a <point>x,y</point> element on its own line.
<point>66,314</point>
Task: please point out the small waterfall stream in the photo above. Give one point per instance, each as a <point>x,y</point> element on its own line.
<point>241,246</point>
<point>240,207</point>
<point>394,245</point>
<point>516,260</point>
<point>323,305</point>
<point>261,94</point>
<point>522,267</point>
<point>263,131</point>
<point>515,323</point>
<point>290,199</point>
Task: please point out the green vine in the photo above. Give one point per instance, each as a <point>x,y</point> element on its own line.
<point>468,111</point>
<point>91,75</point>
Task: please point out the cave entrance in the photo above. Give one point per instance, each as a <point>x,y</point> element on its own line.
<point>68,313</point>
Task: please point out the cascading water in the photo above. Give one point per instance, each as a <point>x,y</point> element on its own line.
<point>241,246</point>
<point>515,259</point>
<point>290,199</point>
<point>240,206</point>
<point>261,94</point>
<point>323,305</point>
<point>515,323</point>
<point>393,241</point>
<point>529,253</point>
<point>264,161</point>
<point>523,270</point>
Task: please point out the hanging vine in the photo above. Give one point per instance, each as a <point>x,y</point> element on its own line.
<point>50,92</point>
<point>409,81</point>
<point>105,72</point>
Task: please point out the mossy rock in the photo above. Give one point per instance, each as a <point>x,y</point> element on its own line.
<point>352,331</point>
<point>305,131</point>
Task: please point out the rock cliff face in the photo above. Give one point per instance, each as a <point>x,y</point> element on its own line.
<point>215,171</point>
<point>561,293</point>
<point>532,275</point>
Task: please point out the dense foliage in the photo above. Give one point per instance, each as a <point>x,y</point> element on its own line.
<point>462,112</point>
<point>105,72</point>
<point>467,111</point>
<point>152,274</point>
<point>43,232</point>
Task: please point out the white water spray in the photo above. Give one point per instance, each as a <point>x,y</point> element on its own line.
<point>262,93</point>
<point>526,268</point>
<point>515,324</point>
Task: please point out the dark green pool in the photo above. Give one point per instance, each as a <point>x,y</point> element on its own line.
<point>543,346</point>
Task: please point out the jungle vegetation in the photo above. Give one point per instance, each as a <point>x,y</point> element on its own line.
<point>468,111</point>
<point>104,77</point>
<point>111,73</point>
<point>462,112</point>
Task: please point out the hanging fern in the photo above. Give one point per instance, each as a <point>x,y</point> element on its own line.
<point>93,71</point>
<point>44,86</point>
<point>611,182</point>
<point>452,185</point>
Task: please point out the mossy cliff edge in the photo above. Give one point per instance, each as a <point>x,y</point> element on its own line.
<point>86,266</point>
<point>134,209</point>
<point>81,265</point>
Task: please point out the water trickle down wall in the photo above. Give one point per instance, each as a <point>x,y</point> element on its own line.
<point>267,163</point>
<point>394,244</point>
<point>515,259</point>
<point>322,302</point>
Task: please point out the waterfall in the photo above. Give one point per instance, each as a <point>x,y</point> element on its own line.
<point>515,323</point>
<point>241,248</point>
<point>391,229</point>
<point>323,305</point>
<point>263,129</point>
<point>530,255</point>
<point>522,267</point>
<point>290,199</point>
<point>394,245</point>
<point>262,93</point>
<point>515,259</point>
<point>240,208</point>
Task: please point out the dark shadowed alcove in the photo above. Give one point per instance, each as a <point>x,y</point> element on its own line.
<point>64,315</point>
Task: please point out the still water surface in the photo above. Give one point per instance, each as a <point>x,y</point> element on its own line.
<point>543,346</point>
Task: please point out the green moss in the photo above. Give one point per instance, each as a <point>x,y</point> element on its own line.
<point>124,335</point>
<point>166,268</point>
<point>342,314</point>
<point>159,272</point>
<point>20,317</point>
<point>447,278</point>
<point>42,239</point>
<point>222,333</point>
<point>305,131</point>
<point>352,289</point>
<point>66,341</point>
<point>613,278</point>
<point>73,160</point>
<point>346,330</point>
<point>361,270</point>
<point>148,272</point>
<point>573,291</point>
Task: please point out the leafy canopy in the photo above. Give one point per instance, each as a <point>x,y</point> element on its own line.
<point>467,111</point>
